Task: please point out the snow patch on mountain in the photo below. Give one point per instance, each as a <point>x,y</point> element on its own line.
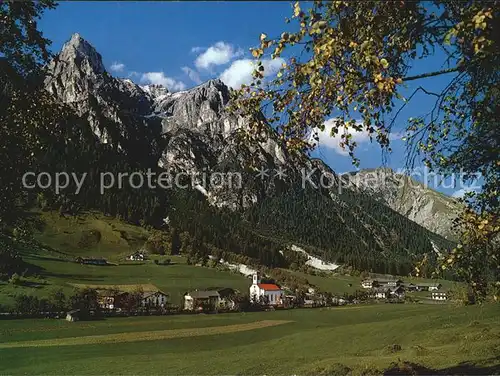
<point>241,268</point>
<point>315,262</point>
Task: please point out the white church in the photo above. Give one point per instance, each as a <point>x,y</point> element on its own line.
<point>273,292</point>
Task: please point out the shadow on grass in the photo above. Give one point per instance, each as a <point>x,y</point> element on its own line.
<point>77,277</point>
<point>464,368</point>
<point>31,284</point>
<point>48,258</point>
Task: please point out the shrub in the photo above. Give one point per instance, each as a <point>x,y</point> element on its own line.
<point>158,243</point>
<point>57,300</point>
<point>26,304</point>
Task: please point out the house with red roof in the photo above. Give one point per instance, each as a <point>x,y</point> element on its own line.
<point>265,292</point>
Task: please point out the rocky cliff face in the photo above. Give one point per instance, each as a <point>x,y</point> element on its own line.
<point>117,110</point>
<point>187,131</point>
<point>408,197</point>
<point>192,132</point>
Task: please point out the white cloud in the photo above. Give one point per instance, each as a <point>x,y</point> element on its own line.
<point>117,67</point>
<point>219,54</point>
<point>240,71</point>
<point>333,141</point>
<point>159,78</point>
<point>462,192</point>
<point>192,74</point>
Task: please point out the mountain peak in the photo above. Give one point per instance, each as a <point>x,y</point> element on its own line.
<point>155,91</point>
<point>77,49</point>
<point>215,83</point>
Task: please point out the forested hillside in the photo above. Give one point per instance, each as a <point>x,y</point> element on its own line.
<point>96,124</point>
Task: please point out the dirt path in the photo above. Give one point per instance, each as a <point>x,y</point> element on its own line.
<point>144,336</point>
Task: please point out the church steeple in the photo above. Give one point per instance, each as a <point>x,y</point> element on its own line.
<point>255,278</point>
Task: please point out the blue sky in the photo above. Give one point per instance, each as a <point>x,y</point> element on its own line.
<point>181,44</point>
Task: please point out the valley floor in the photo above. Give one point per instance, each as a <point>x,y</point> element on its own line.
<point>54,266</point>
<point>366,339</point>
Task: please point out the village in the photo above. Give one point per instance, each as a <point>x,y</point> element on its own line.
<point>263,294</point>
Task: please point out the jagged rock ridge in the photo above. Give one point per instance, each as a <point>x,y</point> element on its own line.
<point>421,204</point>
<point>188,131</point>
<point>117,110</point>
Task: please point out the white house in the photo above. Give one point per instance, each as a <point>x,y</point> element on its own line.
<point>368,283</point>
<point>199,300</point>
<point>392,282</point>
<point>269,291</point>
<point>380,293</point>
<point>154,299</point>
<point>73,315</point>
<point>435,287</point>
<point>138,256</point>
<point>428,286</point>
<point>440,295</point>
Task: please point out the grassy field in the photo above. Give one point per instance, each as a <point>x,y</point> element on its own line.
<point>65,235</point>
<point>444,339</point>
<point>56,269</point>
<point>366,339</point>
<point>62,237</point>
<point>174,279</point>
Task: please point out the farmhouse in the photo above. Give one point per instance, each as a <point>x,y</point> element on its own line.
<point>73,315</point>
<point>226,295</point>
<point>398,292</point>
<point>439,295</point>
<point>200,300</point>
<point>368,283</point>
<point>372,283</point>
<point>428,286</point>
<point>268,293</point>
<point>380,293</point>
<point>154,299</point>
<point>108,299</point>
<point>111,300</point>
<point>137,256</point>
<point>91,261</point>
<point>390,282</point>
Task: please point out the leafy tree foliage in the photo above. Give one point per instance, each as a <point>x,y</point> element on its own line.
<point>23,51</point>
<point>350,60</point>
<point>86,300</point>
<point>23,46</point>
<point>10,260</point>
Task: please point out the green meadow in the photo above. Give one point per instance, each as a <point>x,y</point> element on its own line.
<point>360,339</point>
<point>61,237</point>
<point>55,266</point>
